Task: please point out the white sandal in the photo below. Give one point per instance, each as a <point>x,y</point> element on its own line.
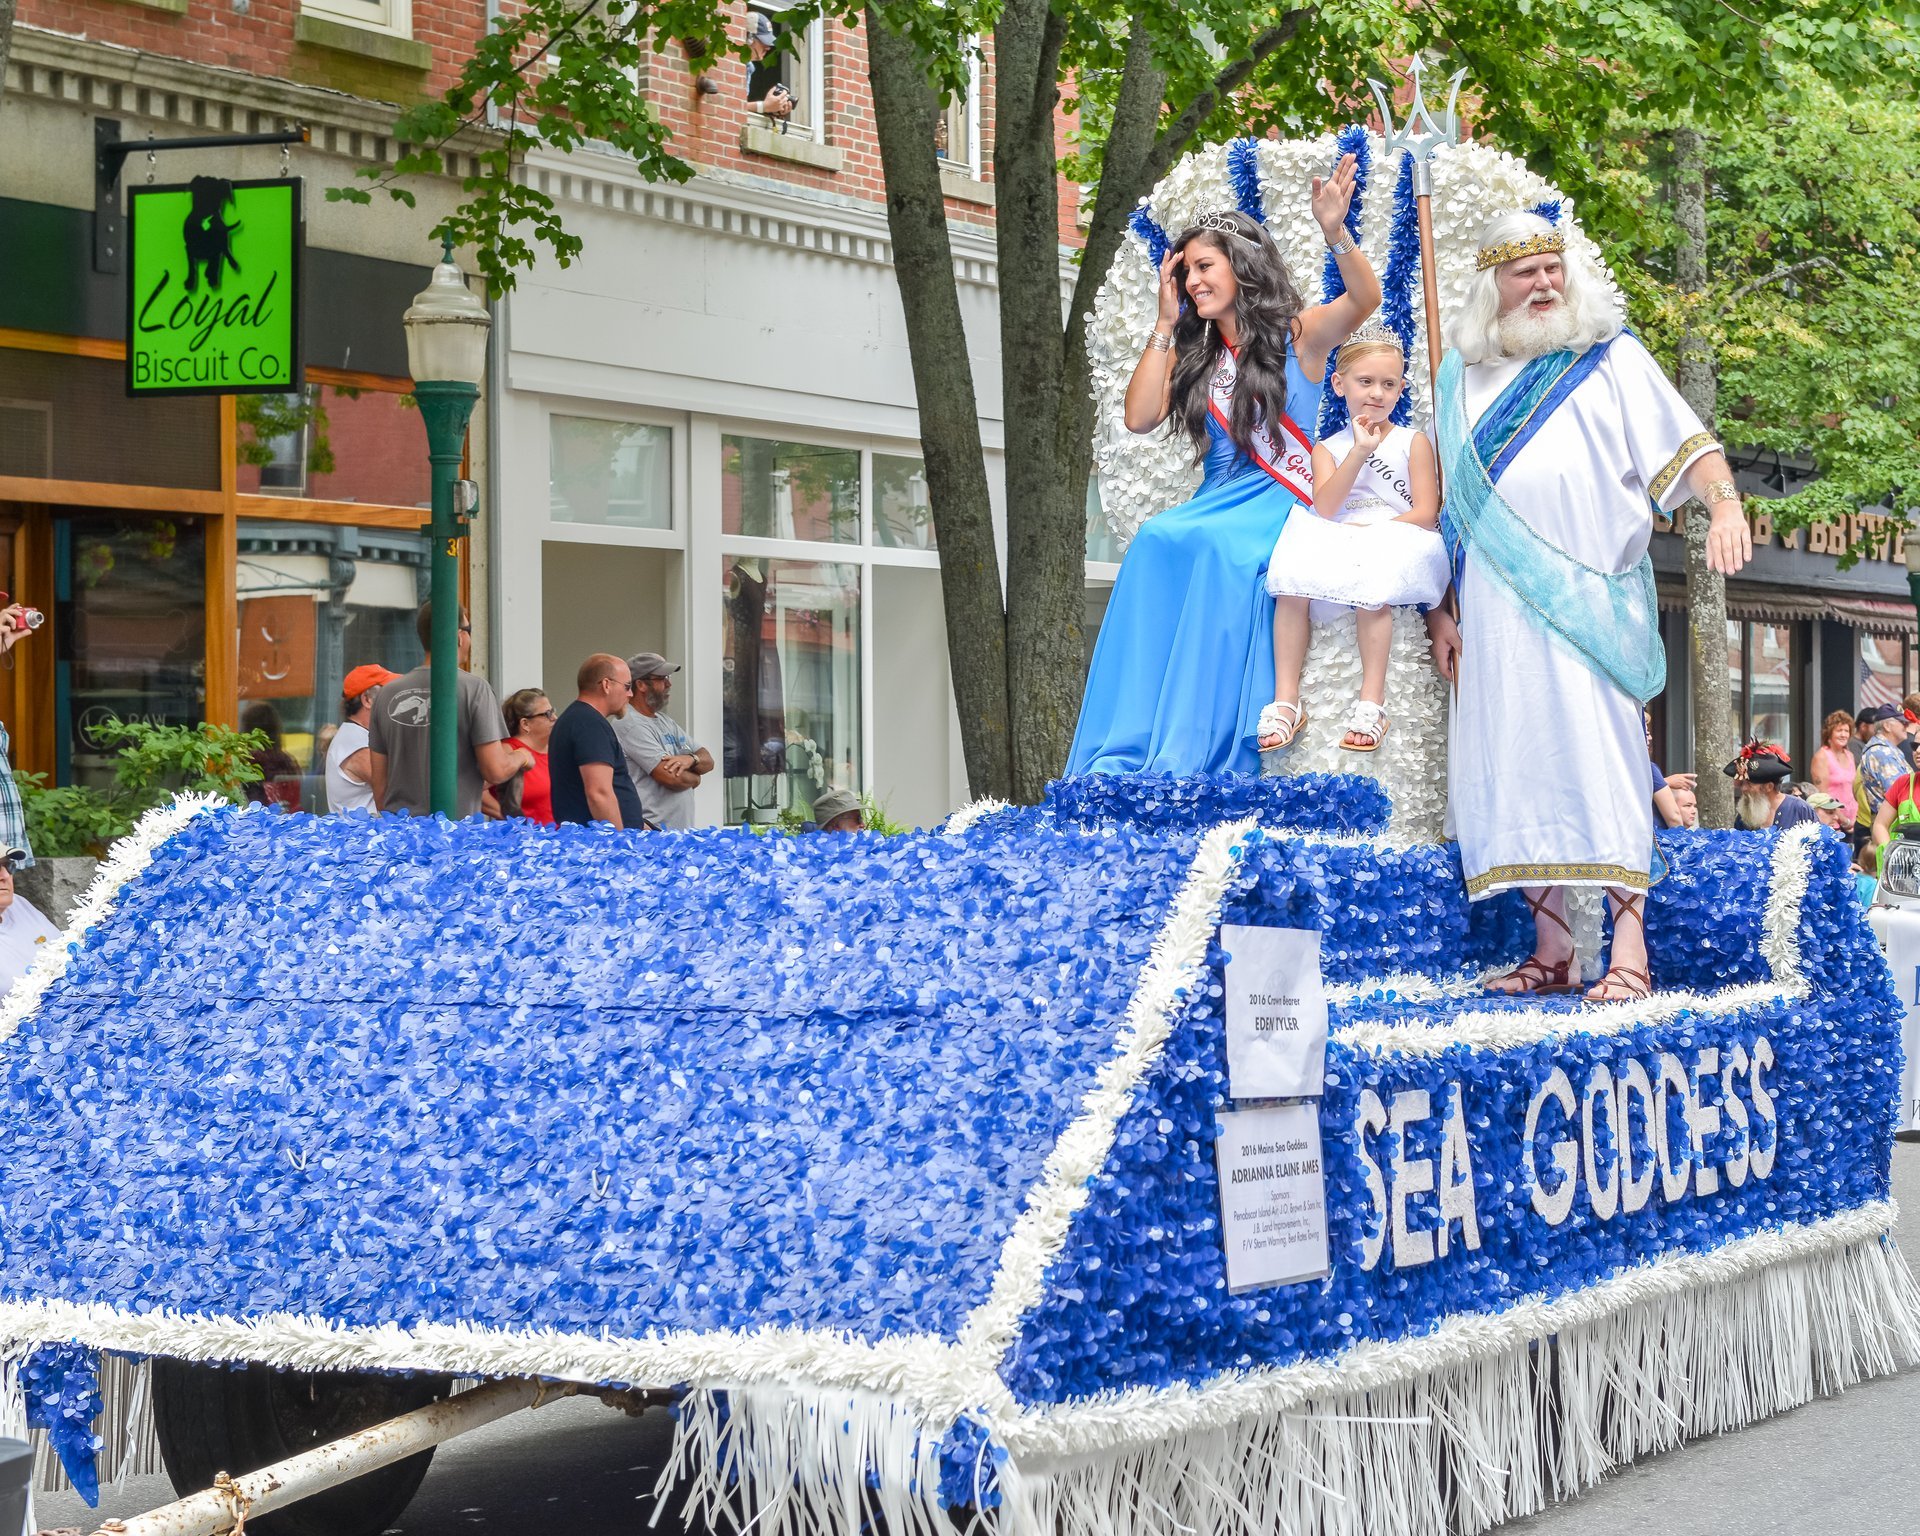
<point>1274,721</point>
<point>1365,719</point>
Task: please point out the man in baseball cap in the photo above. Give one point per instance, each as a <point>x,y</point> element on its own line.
<point>349,769</point>
<point>666,764</point>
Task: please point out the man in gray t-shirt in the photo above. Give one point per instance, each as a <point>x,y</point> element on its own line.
<point>399,740</point>
<point>665,764</point>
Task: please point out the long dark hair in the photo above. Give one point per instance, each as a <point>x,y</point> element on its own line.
<point>1265,311</point>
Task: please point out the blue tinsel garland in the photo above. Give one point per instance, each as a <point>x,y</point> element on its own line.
<point>1243,173</point>
<point>1144,226</point>
<point>1352,140</point>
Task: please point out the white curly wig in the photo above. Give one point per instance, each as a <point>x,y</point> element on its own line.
<point>1474,327</point>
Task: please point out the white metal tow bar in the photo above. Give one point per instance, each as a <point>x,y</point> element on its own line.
<point>233,1500</point>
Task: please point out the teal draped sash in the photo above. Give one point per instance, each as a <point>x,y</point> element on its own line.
<point>1610,620</point>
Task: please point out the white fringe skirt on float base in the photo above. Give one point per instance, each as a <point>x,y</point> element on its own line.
<point>1488,1418</point>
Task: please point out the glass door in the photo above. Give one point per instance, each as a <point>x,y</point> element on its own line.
<point>130,632</point>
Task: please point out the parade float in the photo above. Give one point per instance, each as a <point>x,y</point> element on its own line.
<point>1151,1160</point>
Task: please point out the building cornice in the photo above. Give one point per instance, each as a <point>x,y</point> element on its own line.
<point>113,80</point>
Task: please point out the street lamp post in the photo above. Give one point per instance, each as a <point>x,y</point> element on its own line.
<point>447,355</point>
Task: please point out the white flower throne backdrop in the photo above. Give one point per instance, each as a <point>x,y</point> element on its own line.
<point>1271,180</point>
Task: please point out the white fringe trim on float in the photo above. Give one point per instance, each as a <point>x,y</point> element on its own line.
<point>1489,1417</point>
<point>973,811</point>
<point>125,860</point>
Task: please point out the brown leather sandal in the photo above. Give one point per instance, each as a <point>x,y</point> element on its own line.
<point>1536,977</point>
<point>1632,985</point>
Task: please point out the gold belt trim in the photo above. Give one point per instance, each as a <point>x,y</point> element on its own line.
<point>1558,874</point>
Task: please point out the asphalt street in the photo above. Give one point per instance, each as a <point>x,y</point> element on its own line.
<point>1844,1465</point>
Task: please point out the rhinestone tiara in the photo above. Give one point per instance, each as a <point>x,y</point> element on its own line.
<point>1374,333</point>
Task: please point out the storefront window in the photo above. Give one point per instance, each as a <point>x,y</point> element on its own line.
<point>333,444</point>
<point>902,513</point>
<point>133,646</point>
<point>69,418</point>
<point>775,490</point>
<point>1882,671</point>
<point>619,473</point>
<point>790,681</point>
<point>1771,655</point>
<point>316,602</point>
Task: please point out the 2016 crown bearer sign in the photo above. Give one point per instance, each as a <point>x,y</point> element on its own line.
<point>213,289</point>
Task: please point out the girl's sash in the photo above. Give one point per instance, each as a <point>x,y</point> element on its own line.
<point>1609,619</point>
<point>1288,458</point>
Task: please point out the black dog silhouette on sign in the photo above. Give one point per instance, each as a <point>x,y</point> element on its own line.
<point>208,235</point>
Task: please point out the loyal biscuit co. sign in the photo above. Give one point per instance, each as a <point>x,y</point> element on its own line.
<point>213,288</point>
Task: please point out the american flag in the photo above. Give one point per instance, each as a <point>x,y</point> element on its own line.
<point>1877,688</point>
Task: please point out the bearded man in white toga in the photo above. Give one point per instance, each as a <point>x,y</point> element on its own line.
<point>1559,435</point>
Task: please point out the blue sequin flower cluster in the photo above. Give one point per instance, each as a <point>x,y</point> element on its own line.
<point>1176,803</point>
<point>62,1387</point>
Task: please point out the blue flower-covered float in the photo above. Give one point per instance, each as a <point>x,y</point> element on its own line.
<point>896,1158</point>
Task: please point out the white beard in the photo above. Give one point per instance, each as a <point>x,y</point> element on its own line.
<point>1753,812</point>
<point>1527,332</point>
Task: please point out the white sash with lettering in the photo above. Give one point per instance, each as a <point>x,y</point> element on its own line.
<point>1289,457</point>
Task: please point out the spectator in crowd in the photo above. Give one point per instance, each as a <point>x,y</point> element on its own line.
<point>1862,733</point>
<point>13,815</point>
<point>349,769</point>
<point>838,810</point>
<point>1668,804</point>
<point>1832,811</point>
<point>661,757</point>
<point>1910,710</point>
<point>1759,774</point>
<point>280,775</point>
<point>586,766</point>
<point>400,741</point>
<point>1881,763</point>
<point>1897,810</point>
<point>1834,766</point>
<point>530,717</point>
<point>24,928</point>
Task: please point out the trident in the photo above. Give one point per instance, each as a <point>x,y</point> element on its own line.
<point>1421,135</point>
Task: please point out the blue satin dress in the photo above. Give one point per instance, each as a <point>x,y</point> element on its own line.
<point>1184,662</point>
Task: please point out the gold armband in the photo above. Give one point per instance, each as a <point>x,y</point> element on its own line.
<point>1721,490</point>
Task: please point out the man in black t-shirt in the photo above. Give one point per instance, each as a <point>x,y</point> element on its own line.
<point>584,757</point>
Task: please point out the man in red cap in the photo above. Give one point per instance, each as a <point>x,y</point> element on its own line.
<point>349,762</point>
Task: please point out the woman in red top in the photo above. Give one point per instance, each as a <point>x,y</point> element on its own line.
<point>530,716</point>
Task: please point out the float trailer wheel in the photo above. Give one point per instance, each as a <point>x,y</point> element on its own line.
<point>212,1418</point>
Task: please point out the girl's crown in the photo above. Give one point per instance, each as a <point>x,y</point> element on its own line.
<point>1374,333</point>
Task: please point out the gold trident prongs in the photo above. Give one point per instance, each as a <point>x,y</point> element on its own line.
<point>1422,133</point>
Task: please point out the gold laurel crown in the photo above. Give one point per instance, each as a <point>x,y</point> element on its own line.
<point>1514,250</point>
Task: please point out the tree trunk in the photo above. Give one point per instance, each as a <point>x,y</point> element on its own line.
<point>1699,381</point>
<point>906,111</point>
<point>1046,517</point>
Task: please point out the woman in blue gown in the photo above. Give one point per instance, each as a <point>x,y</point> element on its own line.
<point>1184,661</point>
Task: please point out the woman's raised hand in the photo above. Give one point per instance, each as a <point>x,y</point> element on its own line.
<point>1169,293</point>
<point>1332,197</point>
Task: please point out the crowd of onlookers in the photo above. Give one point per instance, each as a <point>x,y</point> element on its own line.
<point>613,754</point>
<point>1861,781</point>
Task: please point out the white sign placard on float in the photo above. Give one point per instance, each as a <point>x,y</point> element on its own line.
<point>1276,1013</point>
<point>1273,1196</point>
<point>1899,933</point>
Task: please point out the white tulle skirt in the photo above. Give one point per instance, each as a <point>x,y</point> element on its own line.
<point>1357,562</point>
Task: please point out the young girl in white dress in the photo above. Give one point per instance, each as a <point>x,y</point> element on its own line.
<point>1373,546</point>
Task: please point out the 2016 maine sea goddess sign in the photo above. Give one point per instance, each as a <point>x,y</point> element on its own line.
<point>213,288</point>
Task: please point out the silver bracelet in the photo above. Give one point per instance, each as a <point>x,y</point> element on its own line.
<point>1158,343</point>
<point>1345,244</point>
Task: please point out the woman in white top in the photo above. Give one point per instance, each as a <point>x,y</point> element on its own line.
<point>1371,547</point>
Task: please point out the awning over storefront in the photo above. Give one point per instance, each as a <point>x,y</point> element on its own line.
<point>1770,605</point>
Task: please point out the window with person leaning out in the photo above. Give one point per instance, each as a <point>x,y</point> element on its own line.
<point>586,765</point>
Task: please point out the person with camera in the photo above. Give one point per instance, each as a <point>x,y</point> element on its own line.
<point>767,93</point>
<point>17,621</point>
